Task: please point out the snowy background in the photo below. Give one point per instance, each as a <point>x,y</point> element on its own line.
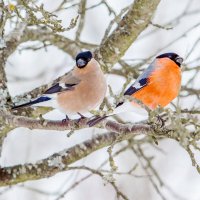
<point>23,145</point>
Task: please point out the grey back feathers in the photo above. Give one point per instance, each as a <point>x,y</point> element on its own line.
<point>68,82</point>
<point>141,81</point>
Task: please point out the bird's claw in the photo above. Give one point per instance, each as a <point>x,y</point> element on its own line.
<point>66,120</point>
<point>161,120</point>
<point>82,118</point>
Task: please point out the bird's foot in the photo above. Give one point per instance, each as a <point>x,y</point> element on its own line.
<point>66,120</point>
<point>161,121</point>
<point>82,117</point>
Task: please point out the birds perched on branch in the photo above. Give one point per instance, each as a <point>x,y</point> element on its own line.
<point>84,88</point>
<point>80,91</point>
<point>158,85</point>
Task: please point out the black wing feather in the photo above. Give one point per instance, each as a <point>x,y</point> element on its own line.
<point>54,89</point>
<point>131,90</point>
<point>58,88</point>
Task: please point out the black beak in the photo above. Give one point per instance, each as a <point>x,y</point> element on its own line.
<point>81,63</point>
<point>179,60</point>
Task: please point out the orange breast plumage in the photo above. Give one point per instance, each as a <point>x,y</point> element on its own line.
<point>163,84</point>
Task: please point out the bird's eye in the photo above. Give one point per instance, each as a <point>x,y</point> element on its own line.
<point>81,63</point>
<point>88,60</point>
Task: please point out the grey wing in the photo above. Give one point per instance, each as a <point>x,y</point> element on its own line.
<point>141,81</point>
<point>68,82</point>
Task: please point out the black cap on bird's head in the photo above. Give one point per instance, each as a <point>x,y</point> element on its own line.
<point>83,58</point>
<point>173,56</point>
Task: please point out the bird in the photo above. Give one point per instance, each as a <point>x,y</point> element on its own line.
<point>157,86</point>
<point>79,91</point>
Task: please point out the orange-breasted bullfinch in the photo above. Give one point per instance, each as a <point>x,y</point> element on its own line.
<point>158,85</point>
<point>79,91</point>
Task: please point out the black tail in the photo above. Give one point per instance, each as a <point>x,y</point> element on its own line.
<point>38,100</point>
<point>119,104</point>
<point>96,120</point>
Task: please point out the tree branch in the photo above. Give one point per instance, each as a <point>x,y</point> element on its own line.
<point>132,24</point>
<point>19,121</point>
<point>175,128</point>
<point>59,161</point>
